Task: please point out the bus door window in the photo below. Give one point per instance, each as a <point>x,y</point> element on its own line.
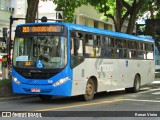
<point>76,48</point>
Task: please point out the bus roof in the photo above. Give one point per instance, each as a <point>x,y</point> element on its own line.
<point>96,31</point>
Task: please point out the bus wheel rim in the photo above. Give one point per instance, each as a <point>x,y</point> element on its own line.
<point>89,90</point>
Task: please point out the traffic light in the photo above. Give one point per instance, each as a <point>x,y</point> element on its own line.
<point>11,44</point>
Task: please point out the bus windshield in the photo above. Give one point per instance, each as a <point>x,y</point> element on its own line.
<point>45,52</point>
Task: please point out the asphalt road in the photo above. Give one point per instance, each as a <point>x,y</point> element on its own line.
<point>114,105</point>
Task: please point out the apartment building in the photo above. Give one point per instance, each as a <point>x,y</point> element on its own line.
<point>6,10</point>
<point>84,15</point>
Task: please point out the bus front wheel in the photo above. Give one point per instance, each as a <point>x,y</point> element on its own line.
<point>136,85</point>
<point>90,89</point>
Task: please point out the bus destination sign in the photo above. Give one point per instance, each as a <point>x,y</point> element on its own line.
<point>46,28</point>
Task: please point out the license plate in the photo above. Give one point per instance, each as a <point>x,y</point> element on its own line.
<point>35,90</point>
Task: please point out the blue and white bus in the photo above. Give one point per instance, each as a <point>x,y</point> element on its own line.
<point>62,59</point>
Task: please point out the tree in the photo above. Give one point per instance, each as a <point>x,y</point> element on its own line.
<point>31,10</point>
<point>119,11</point>
<point>133,11</point>
<point>68,7</point>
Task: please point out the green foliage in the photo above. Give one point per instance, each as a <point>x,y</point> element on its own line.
<point>104,6</point>
<point>5,82</point>
<point>121,10</point>
<point>68,7</point>
<point>5,87</point>
<point>155,6</point>
<point>157,75</point>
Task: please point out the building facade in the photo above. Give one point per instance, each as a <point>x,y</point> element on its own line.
<point>6,10</point>
<point>84,15</point>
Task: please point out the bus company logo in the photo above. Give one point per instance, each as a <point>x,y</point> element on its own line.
<point>6,114</point>
<point>50,81</point>
<point>107,67</point>
<point>21,114</point>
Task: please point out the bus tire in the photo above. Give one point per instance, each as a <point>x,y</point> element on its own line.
<point>90,89</point>
<point>136,85</point>
<point>45,97</point>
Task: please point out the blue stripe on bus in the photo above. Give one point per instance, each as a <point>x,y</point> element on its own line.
<point>96,31</point>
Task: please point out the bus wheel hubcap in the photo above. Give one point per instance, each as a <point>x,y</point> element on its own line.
<point>89,90</point>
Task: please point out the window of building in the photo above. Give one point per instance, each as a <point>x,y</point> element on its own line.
<point>106,26</point>
<point>95,24</point>
<point>4,4</point>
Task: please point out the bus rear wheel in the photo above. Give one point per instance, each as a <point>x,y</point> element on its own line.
<point>136,85</point>
<point>90,89</point>
<point>45,97</point>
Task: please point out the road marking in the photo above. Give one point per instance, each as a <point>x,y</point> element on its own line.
<point>81,105</point>
<point>156,93</point>
<point>156,101</point>
<point>155,82</point>
<point>150,90</point>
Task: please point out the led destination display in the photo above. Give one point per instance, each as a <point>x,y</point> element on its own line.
<point>49,28</point>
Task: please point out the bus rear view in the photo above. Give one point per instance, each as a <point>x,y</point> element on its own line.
<point>40,60</point>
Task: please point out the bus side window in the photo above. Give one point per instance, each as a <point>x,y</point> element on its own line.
<point>149,51</point>
<point>122,46</point>
<point>92,45</point>
<point>108,50</point>
<point>89,49</point>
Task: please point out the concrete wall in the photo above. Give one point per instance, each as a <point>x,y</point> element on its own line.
<point>88,16</point>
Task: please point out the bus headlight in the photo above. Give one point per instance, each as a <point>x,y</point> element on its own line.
<point>61,81</point>
<point>16,80</point>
